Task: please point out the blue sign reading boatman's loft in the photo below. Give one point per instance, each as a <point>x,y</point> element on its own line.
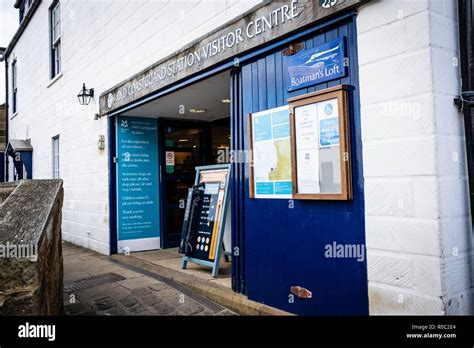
<point>316,65</point>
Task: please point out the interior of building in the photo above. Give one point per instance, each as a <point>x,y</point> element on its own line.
<point>194,124</point>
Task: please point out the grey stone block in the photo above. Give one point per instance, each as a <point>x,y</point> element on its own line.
<point>30,215</point>
<point>129,301</point>
<point>76,308</point>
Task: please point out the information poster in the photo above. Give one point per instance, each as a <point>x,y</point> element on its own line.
<point>307,153</point>
<point>328,123</point>
<point>169,162</point>
<point>272,153</point>
<point>317,136</point>
<point>137,184</point>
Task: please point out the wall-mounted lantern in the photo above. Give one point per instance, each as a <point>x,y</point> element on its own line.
<point>85,95</point>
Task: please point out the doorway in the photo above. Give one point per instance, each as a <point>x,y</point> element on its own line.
<point>184,145</point>
<point>193,129</point>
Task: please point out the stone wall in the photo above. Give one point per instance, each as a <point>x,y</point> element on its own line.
<point>5,190</point>
<point>3,128</point>
<point>418,230</point>
<point>31,263</point>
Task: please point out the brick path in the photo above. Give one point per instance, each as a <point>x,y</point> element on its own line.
<point>95,285</point>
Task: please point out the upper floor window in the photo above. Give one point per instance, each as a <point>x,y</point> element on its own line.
<point>55,35</point>
<point>25,6</point>
<point>14,86</point>
<point>55,154</point>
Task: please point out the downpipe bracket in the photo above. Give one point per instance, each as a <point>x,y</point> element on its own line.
<point>465,100</point>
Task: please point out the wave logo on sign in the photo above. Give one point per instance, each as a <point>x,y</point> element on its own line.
<point>327,3</point>
<point>110,100</point>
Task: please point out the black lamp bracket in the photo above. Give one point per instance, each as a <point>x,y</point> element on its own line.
<point>465,100</point>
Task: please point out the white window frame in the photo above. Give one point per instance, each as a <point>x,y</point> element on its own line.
<point>14,87</point>
<point>55,156</point>
<point>55,38</point>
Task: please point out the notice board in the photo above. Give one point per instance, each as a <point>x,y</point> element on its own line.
<point>320,145</point>
<point>137,184</point>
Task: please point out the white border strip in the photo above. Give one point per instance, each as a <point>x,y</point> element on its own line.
<point>142,244</point>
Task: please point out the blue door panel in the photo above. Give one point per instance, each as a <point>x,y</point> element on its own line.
<point>285,246</point>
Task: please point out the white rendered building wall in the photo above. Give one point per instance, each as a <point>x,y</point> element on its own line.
<point>418,229</point>
<point>103,43</point>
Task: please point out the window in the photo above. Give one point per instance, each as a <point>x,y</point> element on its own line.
<point>22,13</point>
<point>25,6</point>
<point>14,86</point>
<point>56,157</point>
<point>55,35</point>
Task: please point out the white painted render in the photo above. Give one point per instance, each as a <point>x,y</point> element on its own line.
<point>103,43</point>
<point>418,226</point>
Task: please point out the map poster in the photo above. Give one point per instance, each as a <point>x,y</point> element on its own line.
<point>272,153</point>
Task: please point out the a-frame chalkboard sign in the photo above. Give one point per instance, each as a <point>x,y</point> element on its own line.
<point>205,217</point>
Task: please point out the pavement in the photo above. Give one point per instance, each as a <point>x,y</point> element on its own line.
<point>171,259</point>
<point>96,284</point>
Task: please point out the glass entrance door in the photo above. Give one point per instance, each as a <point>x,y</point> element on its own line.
<point>185,145</point>
<point>182,149</point>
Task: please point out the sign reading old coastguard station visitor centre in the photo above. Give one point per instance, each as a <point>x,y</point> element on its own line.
<point>266,22</point>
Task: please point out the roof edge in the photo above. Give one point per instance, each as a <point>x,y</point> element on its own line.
<point>22,27</point>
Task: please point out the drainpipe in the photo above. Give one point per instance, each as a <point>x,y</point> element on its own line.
<point>465,102</point>
<point>466,37</point>
<point>3,57</point>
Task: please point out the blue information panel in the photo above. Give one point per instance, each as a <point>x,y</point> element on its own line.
<point>137,183</point>
<point>272,153</point>
<point>316,65</point>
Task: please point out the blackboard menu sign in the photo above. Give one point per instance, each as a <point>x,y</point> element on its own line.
<point>204,218</point>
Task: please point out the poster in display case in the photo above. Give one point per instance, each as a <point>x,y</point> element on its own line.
<point>270,149</point>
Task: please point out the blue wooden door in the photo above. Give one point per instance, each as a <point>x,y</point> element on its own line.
<point>283,242</point>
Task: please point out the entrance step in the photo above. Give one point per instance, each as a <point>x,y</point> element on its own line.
<point>223,296</point>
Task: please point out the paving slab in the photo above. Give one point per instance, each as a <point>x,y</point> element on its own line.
<point>194,269</point>
<point>138,294</point>
<point>161,254</point>
<point>138,282</point>
<point>202,285</point>
<point>113,268</point>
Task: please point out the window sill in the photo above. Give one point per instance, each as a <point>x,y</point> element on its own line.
<point>14,115</point>
<point>57,77</point>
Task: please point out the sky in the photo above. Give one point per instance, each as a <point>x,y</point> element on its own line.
<point>8,26</point>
